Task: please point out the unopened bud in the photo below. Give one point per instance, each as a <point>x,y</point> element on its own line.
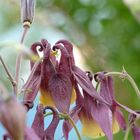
<point>27,12</point>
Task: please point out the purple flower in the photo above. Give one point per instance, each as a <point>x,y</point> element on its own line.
<point>56,79</point>
<point>93,112</point>
<point>95,115</point>
<point>12,117</point>
<point>54,85</point>
<point>107,92</point>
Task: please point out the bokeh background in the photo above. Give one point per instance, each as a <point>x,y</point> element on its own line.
<point>106,35</point>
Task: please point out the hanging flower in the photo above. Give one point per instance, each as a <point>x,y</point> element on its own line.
<point>53,84</point>
<point>55,79</point>
<point>95,116</point>
<point>12,117</point>
<point>107,92</point>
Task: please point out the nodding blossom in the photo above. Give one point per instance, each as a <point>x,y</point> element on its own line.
<point>55,79</point>
<point>12,117</point>
<point>60,83</point>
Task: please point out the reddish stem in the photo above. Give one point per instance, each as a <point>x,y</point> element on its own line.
<point>19,58</point>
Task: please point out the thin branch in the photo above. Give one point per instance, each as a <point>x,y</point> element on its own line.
<point>127,132</point>
<point>13,82</point>
<point>19,58</point>
<point>73,124</point>
<point>125,75</point>
<point>24,34</point>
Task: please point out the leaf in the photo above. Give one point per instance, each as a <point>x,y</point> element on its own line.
<point>60,88</point>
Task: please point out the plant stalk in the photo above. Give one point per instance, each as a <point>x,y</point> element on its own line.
<point>127,132</point>
<point>19,59</point>
<point>126,76</point>
<point>13,82</point>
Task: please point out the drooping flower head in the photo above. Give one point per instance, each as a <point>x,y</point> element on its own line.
<point>96,116</point>
<point>58,82</point>
<point>55,86</point>
<point>55,79</point>
<point>12,117</point>
<point>107,92</point>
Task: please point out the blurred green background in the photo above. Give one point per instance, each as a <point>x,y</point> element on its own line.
<point>106,32</point>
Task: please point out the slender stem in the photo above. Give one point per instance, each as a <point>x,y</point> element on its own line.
<point>66,116</point>
<point>73,124</point>
<point>128,77</point>
<point>48,114</point>
<point>127,132</point>
<point>19,58</point>
<point>13,82</point>
<point>24,34</point>
<point>97,85</point>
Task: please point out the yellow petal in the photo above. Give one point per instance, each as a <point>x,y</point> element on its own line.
<point>46,99</point>
<point>115,126</point>
<point>91,128</point>
<point>73,96</point>
<point>54,53</point>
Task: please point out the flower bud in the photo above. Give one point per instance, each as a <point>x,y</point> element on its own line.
<point>27,12</point>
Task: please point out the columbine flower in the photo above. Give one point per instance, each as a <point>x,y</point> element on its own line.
<point>56,79</point>
<point>12,117</point>
<point>55,86</point>
<point>95,116</point>
<point>107,92</point>
<point>98,118</point>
